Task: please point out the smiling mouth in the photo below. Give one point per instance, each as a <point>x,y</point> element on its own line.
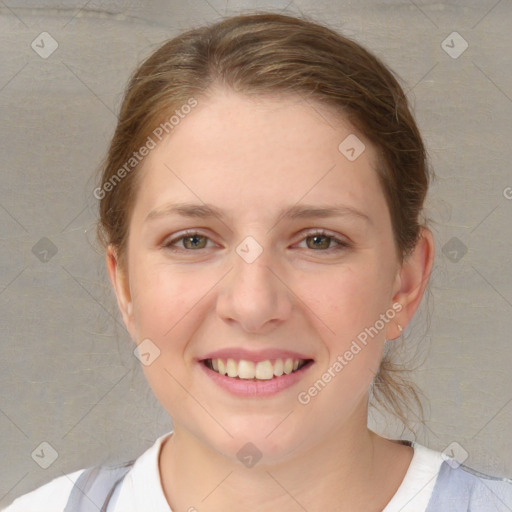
<point>262,370</point>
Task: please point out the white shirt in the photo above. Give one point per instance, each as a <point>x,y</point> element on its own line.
<point>141,490</point>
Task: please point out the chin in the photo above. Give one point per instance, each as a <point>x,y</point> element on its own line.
<point>264,441</point>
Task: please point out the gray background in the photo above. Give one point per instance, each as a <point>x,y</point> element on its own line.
<point>67,372</point>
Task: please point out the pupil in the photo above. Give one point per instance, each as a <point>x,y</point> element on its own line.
<point>194,240</point>
<point>318,238</point>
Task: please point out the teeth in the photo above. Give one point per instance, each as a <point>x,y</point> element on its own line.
<point>232,368</point>
<point>278,368</point>
<point>263,370</point>
<point>246,370</point>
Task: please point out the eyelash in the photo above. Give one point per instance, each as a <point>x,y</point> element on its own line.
<point>342,244</point>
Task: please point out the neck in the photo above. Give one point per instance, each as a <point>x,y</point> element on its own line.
<point>349,470</point>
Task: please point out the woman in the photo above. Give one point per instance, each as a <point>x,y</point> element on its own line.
<point>261,210</point>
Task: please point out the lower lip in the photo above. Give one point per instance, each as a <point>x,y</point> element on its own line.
<point>256,388</point>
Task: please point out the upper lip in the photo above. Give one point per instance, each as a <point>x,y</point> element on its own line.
<point>238,353</point>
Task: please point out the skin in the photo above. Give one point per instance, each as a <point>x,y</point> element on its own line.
<point>251,158</point>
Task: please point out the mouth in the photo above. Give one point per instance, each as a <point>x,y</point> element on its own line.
<point>242,369</point>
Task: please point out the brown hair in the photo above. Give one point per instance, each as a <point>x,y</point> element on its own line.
<point>266,53</point>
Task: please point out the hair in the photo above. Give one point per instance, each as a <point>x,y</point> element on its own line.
<point>266,53</point>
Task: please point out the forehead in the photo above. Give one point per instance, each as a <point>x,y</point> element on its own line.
<point>242,152</point>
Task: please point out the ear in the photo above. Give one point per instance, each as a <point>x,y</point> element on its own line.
<point>119,279</point>
<point>411,281</point>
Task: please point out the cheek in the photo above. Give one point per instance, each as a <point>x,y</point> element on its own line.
<point>348,299</point>
<point>162,298</point>
<point>166,305</point>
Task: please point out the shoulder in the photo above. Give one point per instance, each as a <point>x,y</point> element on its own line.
<point>462,488</point>
<point>50,497</point>
<point>74,491</point>
<point>99,485</point>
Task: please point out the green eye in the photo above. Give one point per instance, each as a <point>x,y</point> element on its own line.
<point>190,241</point>
<point>315,241</point>
<point>324,244</point>
<point>321,241</point>
<point>194,242</point>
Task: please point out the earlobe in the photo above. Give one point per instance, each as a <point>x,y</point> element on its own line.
<point>412,280</point>
<point>119,281</point>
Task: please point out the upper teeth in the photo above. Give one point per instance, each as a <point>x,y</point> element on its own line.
<point>263,370</point>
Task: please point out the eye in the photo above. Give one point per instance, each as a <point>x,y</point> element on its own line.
<point>190,240</point>
<point>321,240</point>
<point>318,240</point>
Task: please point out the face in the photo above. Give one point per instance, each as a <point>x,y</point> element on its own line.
<point>282,248</point>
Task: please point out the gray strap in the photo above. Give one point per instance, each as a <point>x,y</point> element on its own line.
<point>94,488</point>
<point>463,490</point>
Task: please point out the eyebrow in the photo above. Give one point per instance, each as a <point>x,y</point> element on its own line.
<point>303,211</point>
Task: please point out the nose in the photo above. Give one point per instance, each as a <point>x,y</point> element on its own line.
<point>254,295</point>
